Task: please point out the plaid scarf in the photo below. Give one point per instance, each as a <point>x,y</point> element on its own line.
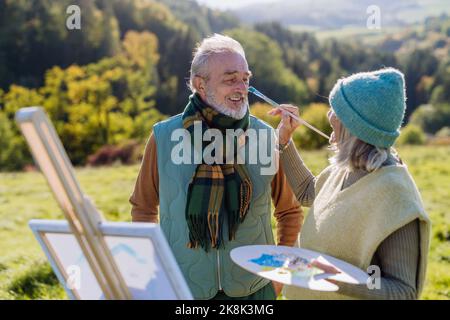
<point>211,184</point>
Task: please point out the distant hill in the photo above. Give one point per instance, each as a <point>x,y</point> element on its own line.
<point>202,18</point>
<point>329,14</point>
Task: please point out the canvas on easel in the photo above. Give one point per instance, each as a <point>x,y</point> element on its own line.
<point>140,251</point>
<point>100,246</point>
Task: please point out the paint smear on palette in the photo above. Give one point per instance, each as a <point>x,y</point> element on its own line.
<point>286,263</point>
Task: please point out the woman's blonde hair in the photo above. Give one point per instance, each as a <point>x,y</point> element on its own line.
<point>353,153</point>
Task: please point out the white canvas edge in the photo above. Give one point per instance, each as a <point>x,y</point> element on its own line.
<point>51,226</point>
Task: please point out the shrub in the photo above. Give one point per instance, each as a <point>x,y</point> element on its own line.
<point>126,153</point>
<point>14,153</point>
<point>443,132</point>
<point>37,281</point>
<point>441,138</point>
<point>316,115</point>
<point>412,134</point>
<point>260,110</point>
<point>431,118</point>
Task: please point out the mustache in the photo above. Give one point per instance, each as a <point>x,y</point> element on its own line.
<point>238,96</point>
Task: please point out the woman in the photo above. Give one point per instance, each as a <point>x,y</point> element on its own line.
<point>365,206</point>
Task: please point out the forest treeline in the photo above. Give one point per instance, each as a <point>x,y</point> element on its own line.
<point>108,83</point>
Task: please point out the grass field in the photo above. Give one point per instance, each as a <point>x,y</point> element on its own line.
<point>25,274</point>
<point>355,33</point>
<point>358,34</point>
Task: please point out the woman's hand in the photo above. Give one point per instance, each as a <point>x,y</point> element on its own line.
<point>277,287</point>
<point>287,124</point>
<point>326,268</point>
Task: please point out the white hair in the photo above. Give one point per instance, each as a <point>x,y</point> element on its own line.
<point>353,154</point>
<point>214,44</point>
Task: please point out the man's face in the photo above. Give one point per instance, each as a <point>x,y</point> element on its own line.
<point>226,88</point>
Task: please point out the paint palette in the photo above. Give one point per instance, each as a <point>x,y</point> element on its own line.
<point>292,266</point>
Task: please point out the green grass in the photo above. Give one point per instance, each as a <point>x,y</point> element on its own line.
<point>24,274</point>
<point>359,33</point>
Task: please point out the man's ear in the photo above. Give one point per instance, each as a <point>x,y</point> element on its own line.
<point>200,86</point>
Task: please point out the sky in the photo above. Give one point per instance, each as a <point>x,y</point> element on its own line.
<point>231,4</point>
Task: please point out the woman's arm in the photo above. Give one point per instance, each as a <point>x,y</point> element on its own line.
<point>301,180</point>
<point>398,257</point>
<point>298,175</point>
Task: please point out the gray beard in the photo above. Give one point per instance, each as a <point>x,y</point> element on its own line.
<point>235,114</point>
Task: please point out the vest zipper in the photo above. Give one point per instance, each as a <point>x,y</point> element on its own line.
<point>218,270</point>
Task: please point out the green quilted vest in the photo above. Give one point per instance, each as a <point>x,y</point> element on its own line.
<point>208,272</point>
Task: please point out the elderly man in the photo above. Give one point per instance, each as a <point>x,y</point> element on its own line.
<point>207,209</point>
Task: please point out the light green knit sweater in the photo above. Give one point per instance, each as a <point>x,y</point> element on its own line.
<point>398,255</point>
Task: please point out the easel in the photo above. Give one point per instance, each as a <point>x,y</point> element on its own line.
<point>83,218</point>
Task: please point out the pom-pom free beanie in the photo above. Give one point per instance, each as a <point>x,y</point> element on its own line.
<point>371,105</point>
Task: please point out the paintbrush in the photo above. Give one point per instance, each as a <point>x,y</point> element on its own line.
<point>293,116</point>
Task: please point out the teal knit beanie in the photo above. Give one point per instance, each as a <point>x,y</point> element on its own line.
<point>371,105</point>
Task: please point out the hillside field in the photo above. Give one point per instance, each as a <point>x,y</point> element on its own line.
<point>25,274</point>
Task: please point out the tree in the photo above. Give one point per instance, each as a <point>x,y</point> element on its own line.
<point>34,38</point>
<point>440,90</point>
<point>270,74</point>
<point>430,118</point>
<point>14,152</point>
<point>418,64</point>
<point>108,102</point>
